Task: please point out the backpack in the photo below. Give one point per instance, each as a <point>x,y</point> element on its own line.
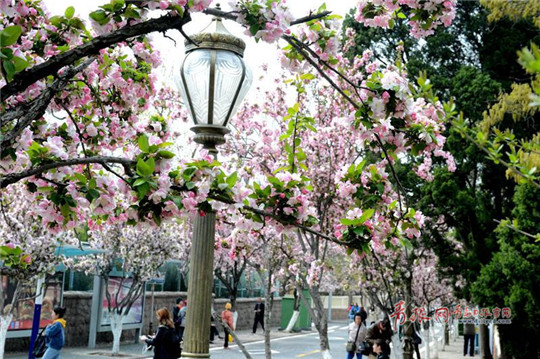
<point>180,319</point>
<point>176,344</point>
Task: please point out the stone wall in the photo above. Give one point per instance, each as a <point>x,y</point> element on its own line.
<point>78,308</point>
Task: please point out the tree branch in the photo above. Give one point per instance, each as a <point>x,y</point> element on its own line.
<point>15,177</point>
<point>293,42</point>
<point>231,15</point>
<point>37,107</point>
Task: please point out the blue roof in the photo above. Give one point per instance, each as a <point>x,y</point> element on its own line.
<point>74,251</point>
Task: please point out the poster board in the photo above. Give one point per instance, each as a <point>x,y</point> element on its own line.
<point>120,285</point>
<point>23,312</point>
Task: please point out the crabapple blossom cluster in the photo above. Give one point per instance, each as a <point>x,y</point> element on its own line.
<point>423,16</point>
<point>264,20</point>
<point>319,36</point>
<point>27,249</point>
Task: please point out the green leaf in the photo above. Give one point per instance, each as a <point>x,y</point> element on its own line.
<point>350,222</point>
<point>56,20</point>
<point>100,17</point>
<point>166,154</point>
<point>10,35</point>
<point>143,143</point>
<point>131,14</point>
<point>151,164</point>
<point>142,190</point>
<point>20,64</point>
<point>10,69</point>
<point>70,11</point>
<point>138,182</point>
<point>143,168</point>
<point>231,180</point>
<point>368,213</point>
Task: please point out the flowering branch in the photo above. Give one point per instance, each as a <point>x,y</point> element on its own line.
<point>103,160</point>
<point>24,79</point>
<point>37,107</point>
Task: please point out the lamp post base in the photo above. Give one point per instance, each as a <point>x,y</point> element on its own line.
<point>195,355</point>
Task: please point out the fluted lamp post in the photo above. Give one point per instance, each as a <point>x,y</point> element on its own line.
<point>214,80</point>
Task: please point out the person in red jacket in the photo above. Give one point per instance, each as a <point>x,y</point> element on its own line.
<point>227,317</point>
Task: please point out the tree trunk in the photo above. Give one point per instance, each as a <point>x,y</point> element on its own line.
<point>116,328</point>
<point>318,316</point>
<point>435,341</point>
<point>428,339</point>
<point>296,313</point>
<point>4,324</point>
<point>268,304</point>
<point>292,321</point>
<point>485,351</point>
<point>446,334</point>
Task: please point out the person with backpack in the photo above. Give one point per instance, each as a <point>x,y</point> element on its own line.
<point>54,334</point>
<point>165,342</point>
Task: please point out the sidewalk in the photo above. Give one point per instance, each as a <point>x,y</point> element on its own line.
<point>135,351</point>
<point>454,350</point>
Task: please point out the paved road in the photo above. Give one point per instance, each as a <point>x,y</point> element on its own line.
<point>304,345</point>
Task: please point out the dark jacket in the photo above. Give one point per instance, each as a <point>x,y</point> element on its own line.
<point>382,355</point>
<point>375,333</point>
<point>54,334</point>
<point>163,343</point>
<point>259,306</point>
<point>469,329</point>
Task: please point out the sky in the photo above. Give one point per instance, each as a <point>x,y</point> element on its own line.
<point>256,54</point>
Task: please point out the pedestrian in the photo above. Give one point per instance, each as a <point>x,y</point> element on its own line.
<point>228,326</point>
<point>54,334</point>
<point>259,315</point>
<point>416,340</point>
<point>179,317</point>
<point>364,315</point>
<point>213,328</point>
<point>381,349</point>
<point>380,330</point>
<point>469,332</point>
<point>357,334</point>
<point>166,344</point>
<point>352,312</point>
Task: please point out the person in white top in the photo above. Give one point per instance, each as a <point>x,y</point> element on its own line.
<point>357,334</point>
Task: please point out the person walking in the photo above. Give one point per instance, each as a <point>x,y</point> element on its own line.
<point>357,334</point>
<point>227,318</point>
<point>54,334</point>
<point>164,343</point>
<point>179,317</point>
<point>259,315</point>
<point>213,328</point>
<point>469,332</point>
<point>352,311</point>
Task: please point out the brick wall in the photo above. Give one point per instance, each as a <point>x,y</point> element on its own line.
<point>78,308</point>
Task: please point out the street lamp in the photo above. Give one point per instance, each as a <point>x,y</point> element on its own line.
<point>214,80</point>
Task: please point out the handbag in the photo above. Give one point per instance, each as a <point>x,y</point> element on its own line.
<point>231,339</point>
<point>351,346</point>
<point>39,346</point>
<point>365,348</point>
